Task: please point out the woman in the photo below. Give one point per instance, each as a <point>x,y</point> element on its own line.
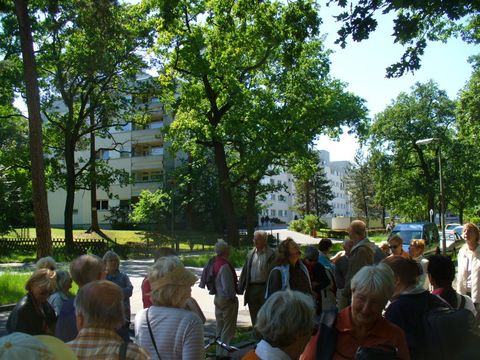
<point>61,294</point>
<point>416,250</point>
<point>289,272</point>
<point>166,330</point>
<point>360,327</point>
<point>112,263</point>
<point>395,243</point>
<point>468,278</point>
<point>318,275</point>
<point>33,314</point>
<point>285,322</point>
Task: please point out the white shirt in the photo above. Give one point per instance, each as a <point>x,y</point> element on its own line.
<point>258,271</point>
<point>265,351</point>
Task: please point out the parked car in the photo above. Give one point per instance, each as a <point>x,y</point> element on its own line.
<point>449,234</point>
<point>422,230</point>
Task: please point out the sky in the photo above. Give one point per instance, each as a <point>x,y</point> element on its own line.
<point>362,65</point>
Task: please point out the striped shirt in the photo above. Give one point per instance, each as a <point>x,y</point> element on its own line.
<point>94,343</point>
<point>178,333</point>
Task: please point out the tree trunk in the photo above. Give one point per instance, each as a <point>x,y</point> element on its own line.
<point>94,227</point>
<point>460,215</point>
<point>189,205</point>
<point>70,189</point>
<point>226,194</point>
<point>39,192</point>
<point>251,209</point>
<point>307,197</point>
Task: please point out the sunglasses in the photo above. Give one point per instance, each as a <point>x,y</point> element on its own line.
<point>393,246</point>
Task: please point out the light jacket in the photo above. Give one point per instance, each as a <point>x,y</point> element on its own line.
<point>462,273</point>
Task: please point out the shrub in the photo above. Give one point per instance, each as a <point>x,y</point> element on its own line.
<point>296,225</point>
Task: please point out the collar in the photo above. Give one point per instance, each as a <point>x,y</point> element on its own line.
<point>99,334</point>
<point>345,324</point>
<point>361,243</point>
<point>265,351</point>
<point>263,251</point>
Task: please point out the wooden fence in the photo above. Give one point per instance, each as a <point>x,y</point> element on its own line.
<point>80,246</point>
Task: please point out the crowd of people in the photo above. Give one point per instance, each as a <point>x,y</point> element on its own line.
<point>365,302</point>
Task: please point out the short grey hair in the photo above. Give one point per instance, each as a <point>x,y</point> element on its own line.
<point>111,255</point>
<point>63,277</point>
<point>101,304</point>
<point>86,268</point>
<point>46,262</point>
<point>284,316</point>
<point>375,280</point>
<point>171,294</point>
<point>221,247</point>
<point>260,233</point>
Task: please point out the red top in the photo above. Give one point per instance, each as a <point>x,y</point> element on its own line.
<point>146,289</point>
<point>382,333</point>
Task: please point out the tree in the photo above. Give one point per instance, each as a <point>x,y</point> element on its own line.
<point>40,204</point>
<point>312,188</point>
<point>151,208</point>
<point>240,76</point>
<point>416,23</point>
<point>359,183</point>
<point>407,173</point>
<point>89,58</point>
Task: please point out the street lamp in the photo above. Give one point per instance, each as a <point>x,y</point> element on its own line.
<point>442,200</point>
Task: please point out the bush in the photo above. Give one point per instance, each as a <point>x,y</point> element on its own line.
<point>296,225</point>
<point>311,222</point>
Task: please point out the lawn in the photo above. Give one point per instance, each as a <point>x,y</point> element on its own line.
<point>12,286</point>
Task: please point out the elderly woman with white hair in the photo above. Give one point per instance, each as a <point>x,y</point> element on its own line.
<point>361,329</point>
<point>286,323</point>
<point>166,330</point>
<point>61,294</point>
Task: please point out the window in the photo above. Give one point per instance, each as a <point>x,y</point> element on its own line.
<point>102,205</point>
<point>280,212</point>
<point>282,198</point>
<point>102,154</point>
<point>272,181</point>
<point>274,213</point>
<point>272,196</point>
<point>124,204</point>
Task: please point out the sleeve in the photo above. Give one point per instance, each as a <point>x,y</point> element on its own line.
<point>193,343</point>
<point>128,288</point>
<point>147,302</point>
<point>242,282</point>
<point>226,279</point>
<point>321,275</point>
<point>274,282</point>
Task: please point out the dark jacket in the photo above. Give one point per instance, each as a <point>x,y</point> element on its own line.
<point>25,318</point>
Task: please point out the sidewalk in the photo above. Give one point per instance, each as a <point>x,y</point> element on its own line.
<point>136,270</point>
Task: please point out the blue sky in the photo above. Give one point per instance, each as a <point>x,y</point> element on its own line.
<point>362,66</point>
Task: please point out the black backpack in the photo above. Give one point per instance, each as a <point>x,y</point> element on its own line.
<point>208,277</point>
<point>448,331</point>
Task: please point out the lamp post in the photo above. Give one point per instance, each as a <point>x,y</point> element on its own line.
<point>442,200</point>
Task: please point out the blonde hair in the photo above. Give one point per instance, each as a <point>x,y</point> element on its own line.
<point>472,226</point>
<point>42,278</point>
<point>418,243</point>
<point>46,262</point>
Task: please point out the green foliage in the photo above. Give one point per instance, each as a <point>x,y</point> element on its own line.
<point>12,287</point>
<point>311,222</point>
<point>151,208</point>
<point>416,23</point>
<point>297,225</point>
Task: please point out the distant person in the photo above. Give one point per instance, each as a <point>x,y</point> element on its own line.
<point>33,314</point>
<point>285,323</point>
<point>362,254</point>
<point>61,294</point>
<point>165,329</point>
<point>468,280</point>
<point>389,227</point>
<point>396,247</point>
<point>441,272</point>
<point>416,250</point>
<point>288,272</point>
<point>112,264</point>
<point>46,262</point>
<point>324,247</point>
<point>262,220</point>
<point>255,271</point>
<point>99,314</point>
<point>84,269</point>
<point>341,269</point>
<point>318,276</point>
<point>329,293</point>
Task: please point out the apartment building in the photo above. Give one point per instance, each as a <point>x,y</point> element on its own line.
<point>141,153</point>
<point>281,204</point>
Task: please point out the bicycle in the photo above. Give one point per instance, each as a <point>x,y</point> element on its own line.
<point>233,351</point>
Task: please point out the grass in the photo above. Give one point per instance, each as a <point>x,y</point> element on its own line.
<point>237,258</point>
<point>12,286</point>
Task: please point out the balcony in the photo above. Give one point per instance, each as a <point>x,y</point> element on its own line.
<point>146,185</point>
<point>147,162</point>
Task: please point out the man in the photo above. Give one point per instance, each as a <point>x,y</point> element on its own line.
<point>226,301</point>
<point>362,254</point>
<point>99,312</point>
<point>255,271</point>
<point>84,269</point>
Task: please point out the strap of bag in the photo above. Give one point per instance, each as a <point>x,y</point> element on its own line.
<point>151,336</point>
<point>123,350</point>
<point>462,302</point>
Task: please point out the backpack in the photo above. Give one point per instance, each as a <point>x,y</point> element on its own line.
<point>208,277</point>
<point>448,331</point>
